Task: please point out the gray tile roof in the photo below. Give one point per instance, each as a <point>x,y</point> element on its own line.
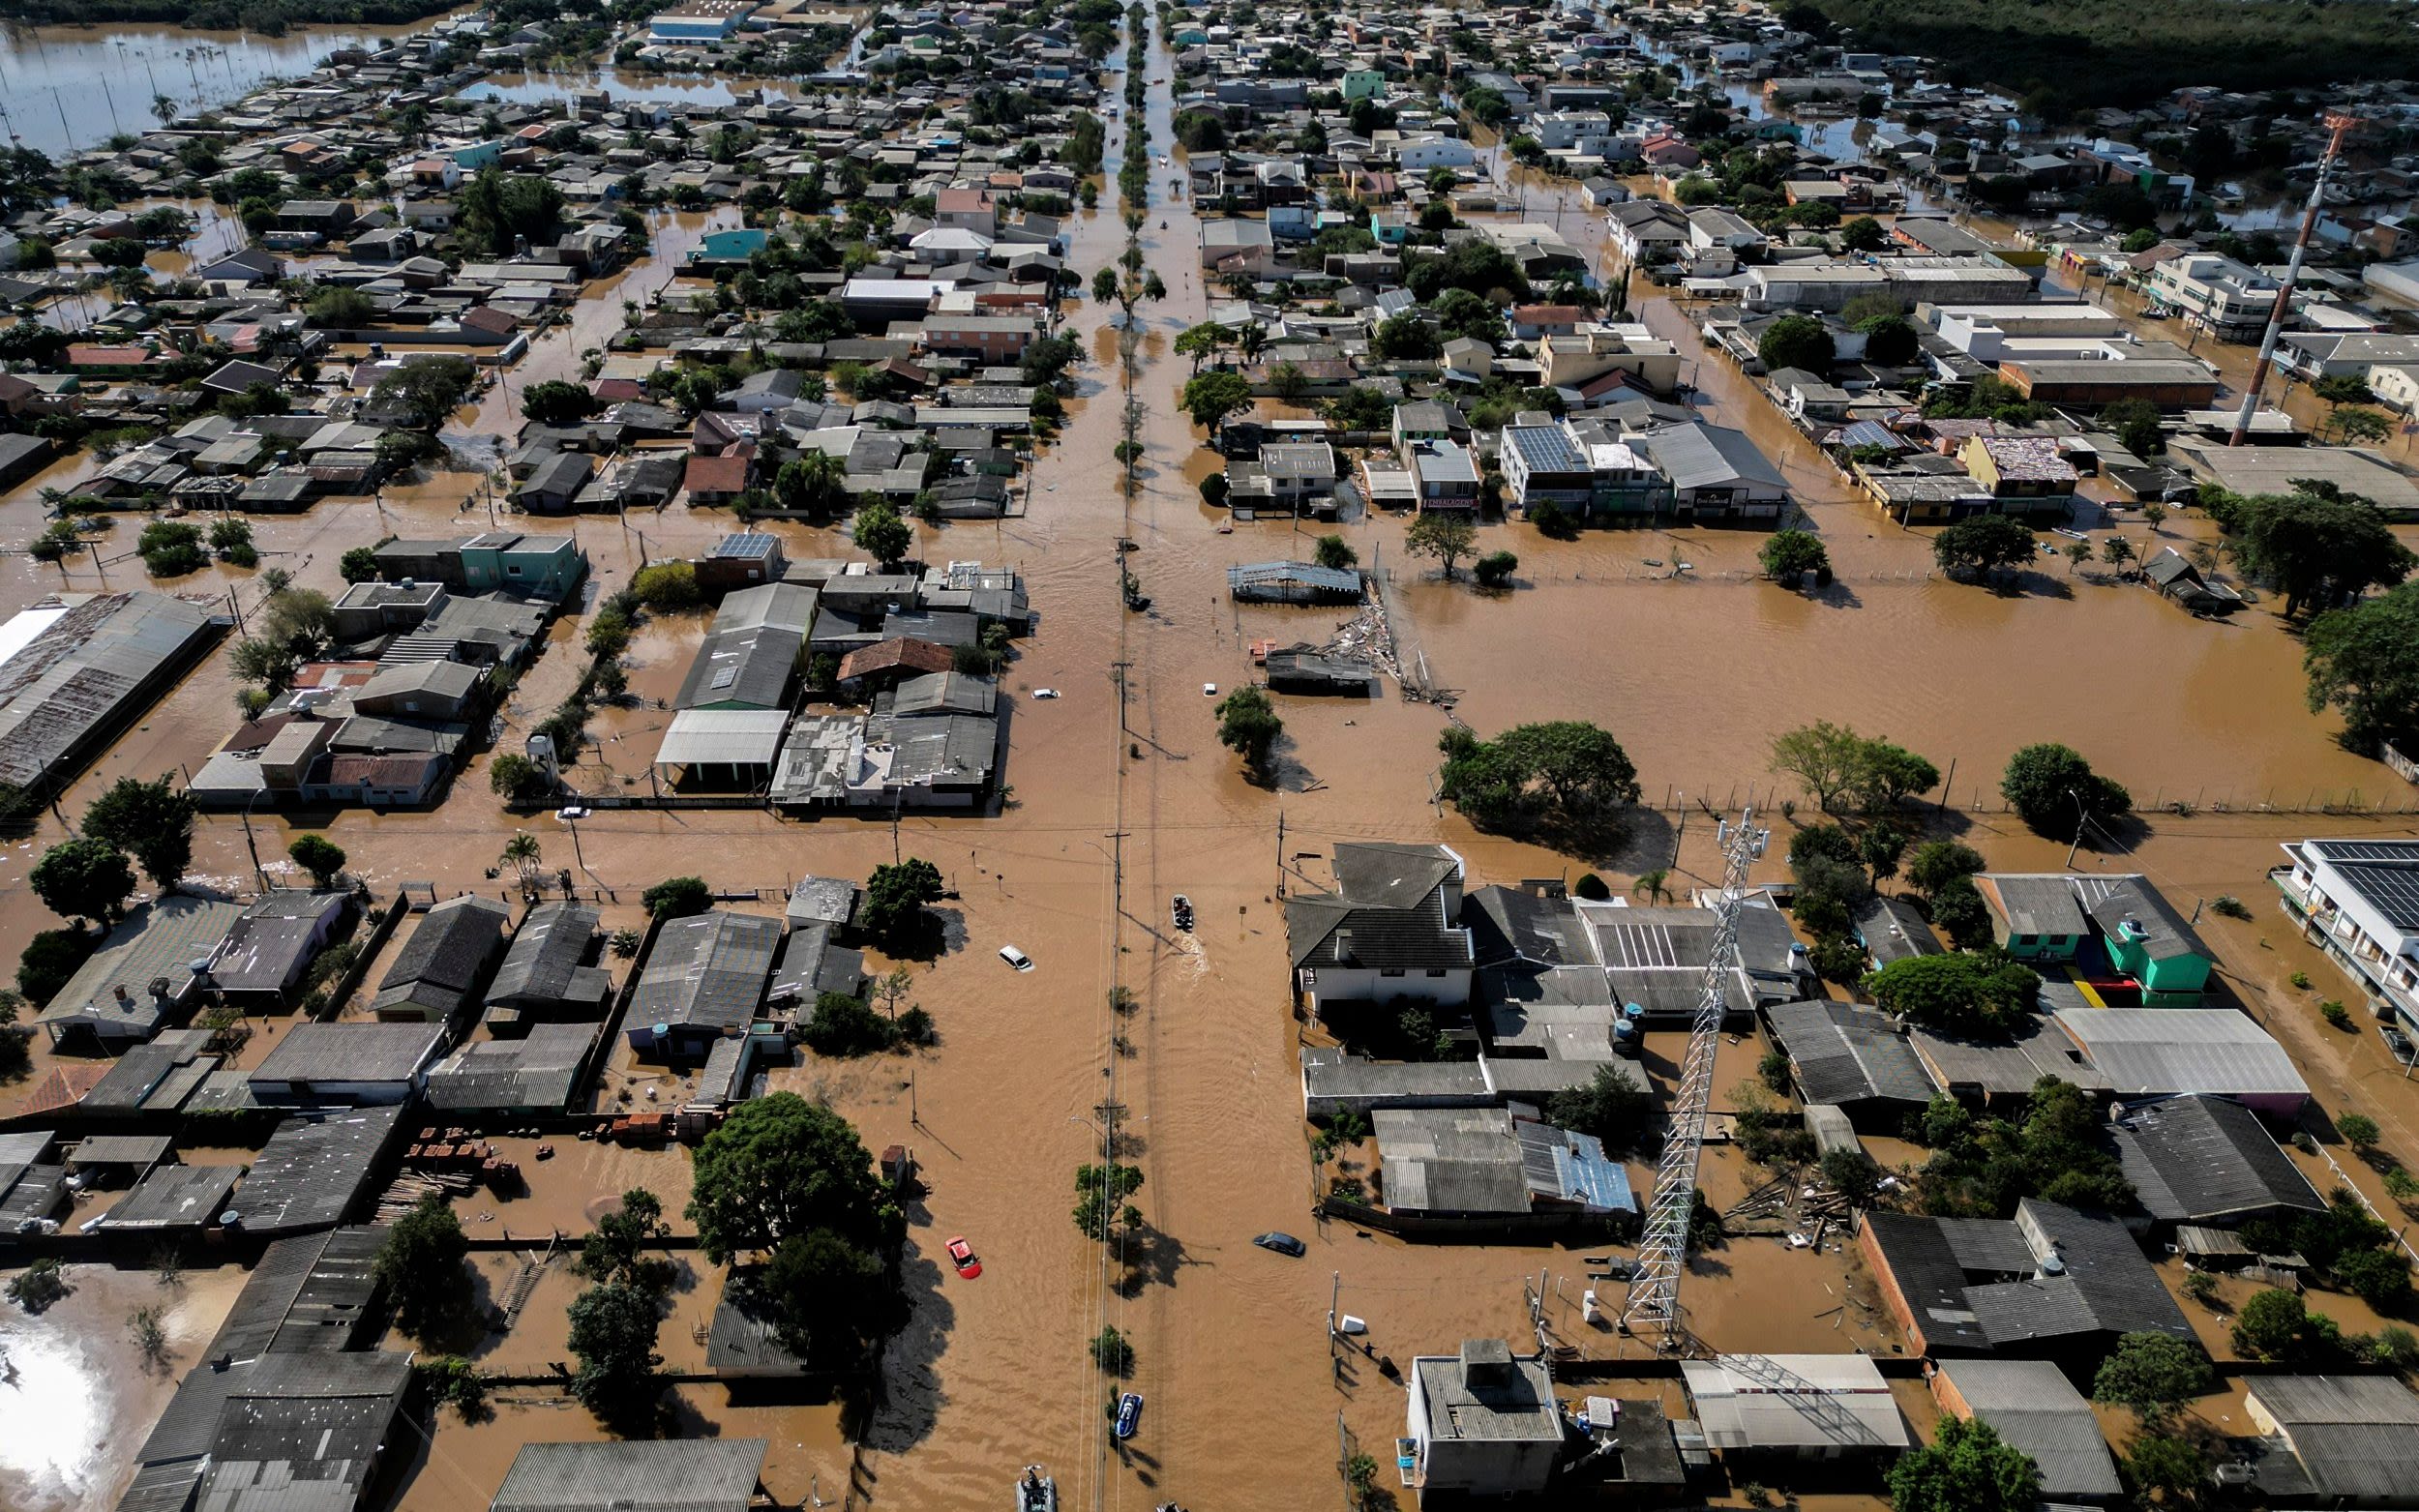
<point>543,964</point>
<point>311,1169</point>
<point>535,1072</point>
<point>1843,1053</point>
<point>445,956</point>
<point>2036,1409</point>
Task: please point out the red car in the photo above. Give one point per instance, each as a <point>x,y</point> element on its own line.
<point>962,1255</point>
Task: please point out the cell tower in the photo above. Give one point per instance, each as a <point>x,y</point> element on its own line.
<point>1653,1299</point>
<point>2338,123</point>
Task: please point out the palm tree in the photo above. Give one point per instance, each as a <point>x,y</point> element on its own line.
<point>521,853</point>
<point>1251,341</point>
<point>1650,884</point>
<point>165,108</point>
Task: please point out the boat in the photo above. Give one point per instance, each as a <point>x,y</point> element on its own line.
<point>1036,1491</point>
<point>1129,1414</point>
<point>1183,910</point>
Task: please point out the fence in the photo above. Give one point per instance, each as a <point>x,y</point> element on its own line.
<point>381,928</point>
<point>2163,807</point>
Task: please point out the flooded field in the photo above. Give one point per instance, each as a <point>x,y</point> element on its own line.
<point>1113,809</point>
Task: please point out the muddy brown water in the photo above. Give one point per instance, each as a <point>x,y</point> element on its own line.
<point>1695,677</point>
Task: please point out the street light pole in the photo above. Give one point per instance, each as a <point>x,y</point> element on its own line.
<point>2079,817</point>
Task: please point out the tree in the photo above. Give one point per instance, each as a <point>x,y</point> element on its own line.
<point>337,307</point>
<point>1495,569</point>
<point>172,548</point>
<point>2319,545</point>
<point>613,1336</point>
<point>1582,768</point>
<point>1407,337</point>
<point>2359,1131</point>
<point>2117,550</point>
<point>421,1266</point>
<point>2136,424</point>
<point>1797,341</point>
<point>359,563</point>
<point>830,1297</point>
<point>781,1166</point>
<point>2175,1470</point>
<point>677,897</point>
<point>556,402</point>
<point>2353,425</point>
<point>1332,553</point>
<point>1210,399</point>
<point>1890,342</point>
<point>1826,757</point>
<point>151,821</point>
<point>1789,554</point>
<point>1956,994</point>
<point>1887,775</point>
<point>2053,789</point>
<point>2123,205</point>
<point>1863,234</point>
<point>1202,342</point>
<point>2276,1326</point>
<point>1938,863</point>
<point>426,390</point>
<point>1360,409</point>
<point>83,879</point>
<point>318,855</point>
<point>49,959</point>
<point>615,1250</point>
<point>2378,1277</point>
<point>1611,1105</point>
<point>2153,1373</point>
<point>2364,659</point>
<point>1099,1191</point>
<point>882,535</point>
<point>1983,544</point>
<point>1250,727</point>
<point>517,779</point>
<point>1441,535</point>
<point>813,484</point>
<point>1967,1467</point>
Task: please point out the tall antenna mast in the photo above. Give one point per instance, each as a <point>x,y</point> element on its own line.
<point>1653,1299</point>
<point>2338,123</point>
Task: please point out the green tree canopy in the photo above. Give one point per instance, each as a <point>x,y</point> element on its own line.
<point>1441,535</point>
<point>84,878</point>
<point>2316,543</point>
<point>421,1265</point>
<point>1610,1104</point>
<point>1967,1467</point>
<point>613,1337</point>
<point>2052,788</point>
<point>151,821</point>
<point>896,895</point>
<point>1983,544</point>
<point>1248,725</point>
<point>2364,659</point>
<point>1790,553</point>
<point>1212,399</point>
<point>1958,992</point>
<point>881,535</point>
<point>1797,341</point>
<point>2154,1374</point>
<point>781,1166</point>
<point>319,855</point>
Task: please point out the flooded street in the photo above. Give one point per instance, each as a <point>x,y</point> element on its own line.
<point>1114,811</point>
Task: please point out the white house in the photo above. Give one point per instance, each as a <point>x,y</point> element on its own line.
<point>1419,154</point>
<point>1392,929</point>
<point>2360,899</point>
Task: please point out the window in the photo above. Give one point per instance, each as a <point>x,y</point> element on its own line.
<point>2024,939</point>
<point>1436,972</point>
<point>1391,971</point>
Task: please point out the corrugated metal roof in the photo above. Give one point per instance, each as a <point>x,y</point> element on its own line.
<point>723,737</point>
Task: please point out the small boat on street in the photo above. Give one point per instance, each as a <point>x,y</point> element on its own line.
<point>1183,910</point>
<point>1129,1414</point>
<point>1036,1491</point>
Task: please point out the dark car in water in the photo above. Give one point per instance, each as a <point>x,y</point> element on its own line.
<point>1282,1243</point>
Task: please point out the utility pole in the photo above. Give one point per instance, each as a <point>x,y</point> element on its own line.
<point>1653,1299</point>
<point>2338,123</point>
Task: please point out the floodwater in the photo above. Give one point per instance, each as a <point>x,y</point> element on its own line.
<point>80,1398</point>
<point>1113,811</point>
<point>67,88</point>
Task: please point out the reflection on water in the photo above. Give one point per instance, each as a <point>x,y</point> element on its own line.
<point>67,88</point>
<point>691,89</point>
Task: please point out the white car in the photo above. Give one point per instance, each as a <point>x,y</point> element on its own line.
<point>1045,692</point>
<point>1016,958</point>
<point>1209,690</point>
